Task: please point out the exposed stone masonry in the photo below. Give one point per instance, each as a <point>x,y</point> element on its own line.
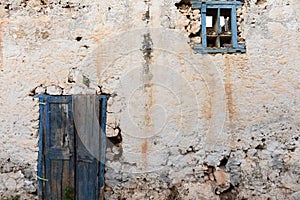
<point>180,125</point>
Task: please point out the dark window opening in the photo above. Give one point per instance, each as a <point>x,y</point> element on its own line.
<point>218,28</point>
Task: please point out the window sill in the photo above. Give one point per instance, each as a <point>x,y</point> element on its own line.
<point>202,50</point>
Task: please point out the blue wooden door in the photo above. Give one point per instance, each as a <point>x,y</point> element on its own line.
<point>71,153</point>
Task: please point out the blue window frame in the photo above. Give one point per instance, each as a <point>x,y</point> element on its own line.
<point>218,27</point>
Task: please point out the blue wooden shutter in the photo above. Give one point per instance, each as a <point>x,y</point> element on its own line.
<point>58,147</point>
<point>67,167</point>
<point>86,113</point>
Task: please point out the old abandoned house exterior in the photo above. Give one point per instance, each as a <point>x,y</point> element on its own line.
<point>202,98</point>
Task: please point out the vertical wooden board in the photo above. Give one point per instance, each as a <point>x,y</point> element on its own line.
<point>81,181</point>
<point>88,145</point>
<point>90,129</point>
<point>79,121</point>
<point>71,146</point>
<point>86,180</point>
<point>86,171</point>
<point>56,179</point>
<point>41,160</point>
<point>58,147</point>
<point>87,125</point>
<point>54,115</point>
<point>58,125</point>
<point>81,169</point>
<point>95,127</point>
<point>92,180</point>
<point>82,153</point>
<point>71,128</point>
<point>68,181</point>
<point>65,123</point>
<point>48,184</point>
<point>103,104</point>
<point>47,144</point>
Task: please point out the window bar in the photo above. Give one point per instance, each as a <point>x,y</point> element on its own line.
<point>234,27</point>
<point>203,28</point>
<point>219,29</point>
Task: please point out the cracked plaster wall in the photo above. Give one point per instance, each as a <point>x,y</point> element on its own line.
<point>193,126</point>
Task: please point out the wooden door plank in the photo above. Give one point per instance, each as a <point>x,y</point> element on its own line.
<point>81,181</point>
<point>102,141</point>
<point>41,160</point>
<point>59,147</point>
<point>56,179</point>
<point>86,181</point>
<point>86,109</point>
<point>67,182</point>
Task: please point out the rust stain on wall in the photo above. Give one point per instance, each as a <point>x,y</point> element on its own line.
<point>148,119</point>
<point>207,109</point>
<point>147,50</point>
<point>210,107</point>
<point>228,91</point>
<point>145,152</point>
<point>229,98</point>
<point>145,146</point>
<point>148,106</point>
<point>148,122</point>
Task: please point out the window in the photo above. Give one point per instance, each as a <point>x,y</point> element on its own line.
<point>218,27</point>
<point>72,146</point>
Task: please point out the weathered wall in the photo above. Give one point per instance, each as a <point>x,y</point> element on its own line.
<point>193,126</point>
